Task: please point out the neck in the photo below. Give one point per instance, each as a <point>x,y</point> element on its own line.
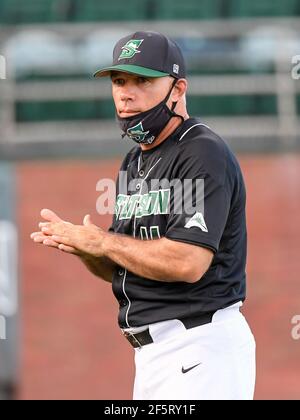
<point>166,132</point>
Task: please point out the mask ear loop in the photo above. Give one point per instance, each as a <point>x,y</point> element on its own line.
<point>174,103</point>
<point>169,94</point>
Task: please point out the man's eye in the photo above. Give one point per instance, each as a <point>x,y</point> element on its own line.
<point>118,82</point>
<point>142,80</point>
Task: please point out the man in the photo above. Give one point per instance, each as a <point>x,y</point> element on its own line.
<point>176,250</point>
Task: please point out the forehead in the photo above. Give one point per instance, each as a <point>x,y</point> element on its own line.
<point>126,75</point>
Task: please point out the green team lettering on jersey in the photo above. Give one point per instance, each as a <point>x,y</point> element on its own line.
<point>140,205</point>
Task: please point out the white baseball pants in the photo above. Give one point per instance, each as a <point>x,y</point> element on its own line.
<point>215,361</point>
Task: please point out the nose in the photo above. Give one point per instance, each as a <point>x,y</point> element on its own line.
<point>127,95</point>
<point>127,91</point>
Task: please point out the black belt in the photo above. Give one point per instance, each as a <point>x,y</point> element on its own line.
<point>144,337</point>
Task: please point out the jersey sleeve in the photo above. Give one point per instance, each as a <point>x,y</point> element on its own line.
<point>199,212</point>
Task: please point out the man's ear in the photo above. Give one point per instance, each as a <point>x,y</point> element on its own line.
<point>179,90</point>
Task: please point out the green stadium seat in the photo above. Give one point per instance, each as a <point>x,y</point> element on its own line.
<point>64,111</point>
<point>260,8</point>
<point>188,9</point>
<point>298,104</point>
<point>33,11</point>
<point>97,10</point>
<point>231,105</point>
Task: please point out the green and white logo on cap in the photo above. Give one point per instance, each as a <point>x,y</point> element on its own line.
<point>137,132</point>
<point>130,48</point>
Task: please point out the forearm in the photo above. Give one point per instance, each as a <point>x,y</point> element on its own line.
<point>101,267</point>
<point>157,259</point>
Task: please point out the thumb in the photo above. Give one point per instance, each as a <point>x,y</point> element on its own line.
<point>87,221</point>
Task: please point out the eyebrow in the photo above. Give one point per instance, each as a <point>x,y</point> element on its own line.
<point>113,74</point>
<point>120,74</point>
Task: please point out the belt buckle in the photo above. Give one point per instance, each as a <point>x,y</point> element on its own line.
<point>131,338</point>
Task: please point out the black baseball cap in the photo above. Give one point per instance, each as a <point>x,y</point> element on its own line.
<point>148,54</point>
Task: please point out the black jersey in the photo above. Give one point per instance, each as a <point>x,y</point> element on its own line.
<point>190,189</point>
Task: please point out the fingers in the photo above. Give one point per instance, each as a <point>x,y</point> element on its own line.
<point>68,249</point>
<point>61,240</point>
<point>38,237</point>
<point>50,216</point>
<point>59,228</point>
<point>50,229</point>
<point>44,225</point>
<point>34,234</point>
<point>45,229</point>
<point>51,243</point>
<point>87,221</point>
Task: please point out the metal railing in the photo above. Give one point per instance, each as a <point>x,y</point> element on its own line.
<point>284,127</point>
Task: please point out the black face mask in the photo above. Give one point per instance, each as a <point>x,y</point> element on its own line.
<point>145,127</point>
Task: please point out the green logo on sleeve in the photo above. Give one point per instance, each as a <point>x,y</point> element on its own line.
<point>130,48</point>
<point>197,221</point>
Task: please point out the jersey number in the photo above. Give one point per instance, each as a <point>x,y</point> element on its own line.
<point>152,233</point>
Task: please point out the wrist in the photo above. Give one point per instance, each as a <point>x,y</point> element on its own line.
<point>84,256</point>
<point>105,243</point>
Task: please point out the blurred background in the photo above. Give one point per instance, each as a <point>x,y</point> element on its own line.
<point>58,138</point>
